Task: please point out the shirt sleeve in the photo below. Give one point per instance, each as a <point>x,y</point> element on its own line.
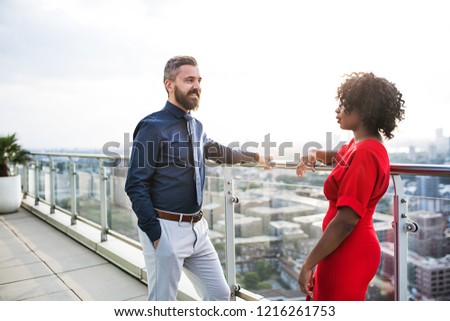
<point>142,166</point>
<point>358,183</point>
<point>225,155</point>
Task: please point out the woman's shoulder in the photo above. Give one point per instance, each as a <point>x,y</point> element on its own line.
<point>367,146</point>
<point>370,145</point>
<point>371,148</point>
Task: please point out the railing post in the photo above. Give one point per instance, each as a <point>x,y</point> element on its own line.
<point>52,185</point>
<point>36,182</point>
<point>73,192</point>
<point>103,203</point>
<point>400,241</point>
<point>230,257</point>
<point>25,180</point>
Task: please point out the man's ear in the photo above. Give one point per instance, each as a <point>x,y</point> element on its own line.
<point>169,85</point>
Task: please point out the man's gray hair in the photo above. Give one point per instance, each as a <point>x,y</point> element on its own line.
<point>172,66</point>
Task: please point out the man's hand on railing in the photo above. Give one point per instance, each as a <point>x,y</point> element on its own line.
<point>264,161</point>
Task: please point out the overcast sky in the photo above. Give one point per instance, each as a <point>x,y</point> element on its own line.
<point>79,73</point>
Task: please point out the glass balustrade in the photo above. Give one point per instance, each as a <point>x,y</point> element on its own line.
<point>277,220</point>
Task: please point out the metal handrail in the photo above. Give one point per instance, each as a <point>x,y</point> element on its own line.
<point>396,168</point>
<point>420,169</point>
<point>75,155</point>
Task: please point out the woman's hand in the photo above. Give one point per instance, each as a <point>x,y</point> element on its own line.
<point>306,281</point>
<point>307,161</point>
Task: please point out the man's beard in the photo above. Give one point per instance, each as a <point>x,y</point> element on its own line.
<point>185,100</point>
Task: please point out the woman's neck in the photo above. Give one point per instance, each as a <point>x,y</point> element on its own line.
<point>363,134</point>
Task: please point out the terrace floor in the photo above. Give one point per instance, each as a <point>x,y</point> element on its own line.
<point>40,263</point>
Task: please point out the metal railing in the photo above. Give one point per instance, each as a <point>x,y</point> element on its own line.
<point>401,224</point>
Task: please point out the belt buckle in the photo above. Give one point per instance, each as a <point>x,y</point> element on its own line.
<point>199,215</point>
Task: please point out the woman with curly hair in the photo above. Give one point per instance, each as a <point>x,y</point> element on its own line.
<point>347,256</point>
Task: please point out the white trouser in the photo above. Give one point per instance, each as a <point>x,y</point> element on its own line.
<point>187,245</point>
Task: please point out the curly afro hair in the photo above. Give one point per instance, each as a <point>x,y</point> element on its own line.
<point>378,102</point>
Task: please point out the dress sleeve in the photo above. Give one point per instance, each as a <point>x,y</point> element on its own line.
<point>359,181</point>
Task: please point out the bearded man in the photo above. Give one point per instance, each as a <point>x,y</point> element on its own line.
<point>165,185</point>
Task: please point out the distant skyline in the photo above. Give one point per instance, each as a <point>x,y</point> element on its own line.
<point>78,74</point>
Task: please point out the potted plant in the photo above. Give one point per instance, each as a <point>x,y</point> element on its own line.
<point>11,153</point>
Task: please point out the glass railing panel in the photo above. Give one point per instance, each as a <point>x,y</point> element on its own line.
<point>62,183</point>
<point>88,189</point>
<point>429,248</point>
<point>214,210</point>
<point>30,180</point>
<point>382,287</point>
<point>278,221</point>
<point>121,217</point>
<point>43,174</point>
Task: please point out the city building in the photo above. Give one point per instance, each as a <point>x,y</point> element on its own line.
<point>430,239</point>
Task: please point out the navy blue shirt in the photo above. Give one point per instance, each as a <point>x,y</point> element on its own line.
<point>161,172</point>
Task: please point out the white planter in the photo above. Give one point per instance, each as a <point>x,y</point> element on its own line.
<point>10,194</point>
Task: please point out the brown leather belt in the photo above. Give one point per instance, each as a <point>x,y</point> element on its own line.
<point>180,217</point>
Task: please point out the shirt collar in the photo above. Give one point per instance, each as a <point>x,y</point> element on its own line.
<point>174,110</point>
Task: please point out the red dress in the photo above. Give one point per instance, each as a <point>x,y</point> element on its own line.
<point>359,180</point>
